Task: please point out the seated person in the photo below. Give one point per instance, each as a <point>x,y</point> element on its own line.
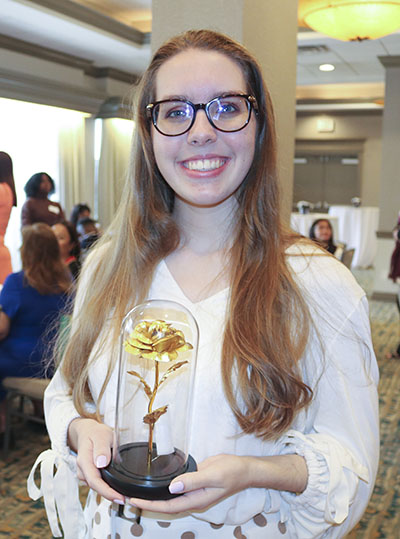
<point>31,302</point>
<point>321,231</point>
<point>79,211</point>
<point>70,249</point>
<point>88,232</point>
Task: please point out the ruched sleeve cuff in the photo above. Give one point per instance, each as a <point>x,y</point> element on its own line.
<point>333,476</point>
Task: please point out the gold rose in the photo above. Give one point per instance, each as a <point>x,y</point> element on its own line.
<point>160,342</point>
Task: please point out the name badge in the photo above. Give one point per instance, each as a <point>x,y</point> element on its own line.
<point>54,209</point>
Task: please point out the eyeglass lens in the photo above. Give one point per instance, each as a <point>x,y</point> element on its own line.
<point>225,113</point>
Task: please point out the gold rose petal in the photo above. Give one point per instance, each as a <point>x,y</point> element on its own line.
<point>184,347</point>
<point>166,343</point>
<point>131,349</point>
<point>136,335</point>
<point>149,355</point>
<point>137,343</point>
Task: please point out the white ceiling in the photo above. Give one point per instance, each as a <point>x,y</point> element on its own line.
<point>357,64</point>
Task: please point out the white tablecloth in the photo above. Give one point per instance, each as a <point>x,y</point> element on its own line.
<point>357,229</point>
<point>301,223</point>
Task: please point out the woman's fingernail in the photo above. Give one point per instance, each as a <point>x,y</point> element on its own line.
<point>101,461</point>
<point>131,503</point>
<point>174,488</point>
<point>119,502</point>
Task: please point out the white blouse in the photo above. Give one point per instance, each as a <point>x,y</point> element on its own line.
<point>338,433</point>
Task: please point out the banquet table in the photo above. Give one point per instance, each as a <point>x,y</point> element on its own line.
<point>301,222</point>
<point>357,229</point>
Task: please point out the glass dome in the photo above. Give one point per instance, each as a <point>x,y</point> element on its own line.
<point>157,362</point>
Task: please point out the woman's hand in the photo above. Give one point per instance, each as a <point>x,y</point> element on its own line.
<point>92,442</point>
<point>223,475</point>
<point>217,477</point>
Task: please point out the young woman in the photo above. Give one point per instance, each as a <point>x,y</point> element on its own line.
<point>285,403</point>
<point>38,208</point>
<point>8,199</point>
<point>31,302</point>
<point>321,231</point>
<point>68,242</point>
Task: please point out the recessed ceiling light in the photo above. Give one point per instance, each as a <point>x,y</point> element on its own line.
<point>326,67</point>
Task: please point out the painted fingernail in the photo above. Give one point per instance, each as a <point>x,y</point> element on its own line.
<point>174,488</point>
<point>119,502</point>
<point>101,461</point>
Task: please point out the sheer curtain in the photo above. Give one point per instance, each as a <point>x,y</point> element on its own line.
<point>113,166</point>
<point>76,164</point>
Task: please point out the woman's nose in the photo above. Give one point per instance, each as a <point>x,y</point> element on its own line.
<point>201,132</point>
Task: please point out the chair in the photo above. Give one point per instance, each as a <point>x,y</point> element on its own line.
<point>22,389</point>
<point>347,257</point>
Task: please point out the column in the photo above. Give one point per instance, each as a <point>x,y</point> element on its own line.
<point>389,199</point>
<point>269,30</point>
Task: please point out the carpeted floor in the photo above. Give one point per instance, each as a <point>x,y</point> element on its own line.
<point>21,518</point>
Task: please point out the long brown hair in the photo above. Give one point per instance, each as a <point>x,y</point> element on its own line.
<point>268,321</point>
<point>6,174</point>
<point>41,261</point>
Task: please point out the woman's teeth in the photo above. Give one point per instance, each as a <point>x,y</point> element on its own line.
<point>204,164</point>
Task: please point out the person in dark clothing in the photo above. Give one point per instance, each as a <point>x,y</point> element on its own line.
<point>38,208</point>
<point>394,274</point>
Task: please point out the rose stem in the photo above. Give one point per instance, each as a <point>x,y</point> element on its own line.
<point>151,425</point>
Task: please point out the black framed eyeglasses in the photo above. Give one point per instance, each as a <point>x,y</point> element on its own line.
<point>228,113</point>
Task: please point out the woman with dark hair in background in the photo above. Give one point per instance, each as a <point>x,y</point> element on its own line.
<point>31,300</point>
<point>79,211</point>
<point>39,208</point>
<point>8,199</point>
<point>68,242</point>
<point>321,231</point>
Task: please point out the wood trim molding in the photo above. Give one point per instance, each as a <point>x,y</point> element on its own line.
<point>389,61</point>
<point>94,18</point>
<point>384,296</point>
<point>43,53</point>
<point>384,234</point>
<point>52,55</point>
<point>49,92</point>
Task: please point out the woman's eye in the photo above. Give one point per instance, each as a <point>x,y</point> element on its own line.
<point>176,114</point>
<point>228,107</point>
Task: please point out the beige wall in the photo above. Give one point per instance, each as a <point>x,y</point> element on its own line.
<point>358,133</point>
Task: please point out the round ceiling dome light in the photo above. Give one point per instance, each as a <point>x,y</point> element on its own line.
<point>351,20</point>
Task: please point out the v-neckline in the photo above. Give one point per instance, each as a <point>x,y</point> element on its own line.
<point>182,293</point>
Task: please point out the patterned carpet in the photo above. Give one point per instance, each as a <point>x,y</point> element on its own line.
<point>21,518</point>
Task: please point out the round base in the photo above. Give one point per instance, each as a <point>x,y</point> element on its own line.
<point>131,477</point>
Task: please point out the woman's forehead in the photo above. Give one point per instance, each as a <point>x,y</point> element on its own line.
<point>199,75</point>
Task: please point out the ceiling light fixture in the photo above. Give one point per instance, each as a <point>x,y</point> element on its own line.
<point>350,20</point>
<point>326,67</point>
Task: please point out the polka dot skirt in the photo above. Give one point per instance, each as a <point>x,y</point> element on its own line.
<point>103,521</point>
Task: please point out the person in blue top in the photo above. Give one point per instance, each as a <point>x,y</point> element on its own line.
<point>31,301</point>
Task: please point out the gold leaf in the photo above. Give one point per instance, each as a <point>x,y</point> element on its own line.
<point>172,369</point>
<point>152,417</point>
<point>146,386</point>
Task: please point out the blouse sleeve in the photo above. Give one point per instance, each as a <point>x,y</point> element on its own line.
<point>10,296</point>
<point>338,436</point>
